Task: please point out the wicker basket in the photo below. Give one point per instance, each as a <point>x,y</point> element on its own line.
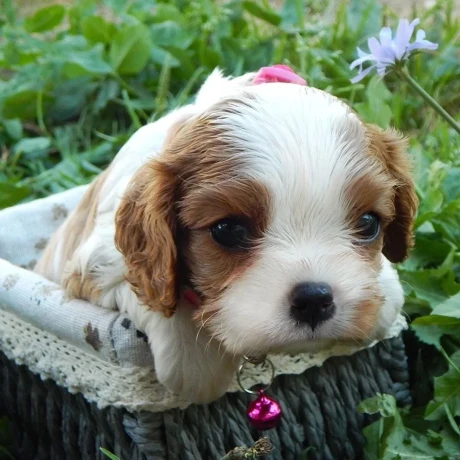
<point>75,377</point>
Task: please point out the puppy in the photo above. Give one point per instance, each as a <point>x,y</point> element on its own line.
<point>259,219</point>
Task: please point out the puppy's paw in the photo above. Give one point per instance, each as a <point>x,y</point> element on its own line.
<point>189,363</point>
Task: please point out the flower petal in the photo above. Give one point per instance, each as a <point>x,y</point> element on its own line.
<point>400,41</point>
<point>422,45</point>
<point>383,54</point>
<point>362,74</point>
<point>385,36</point>
<point>421,35</point>
<point>375,48</point>
<point>403,35</point>
<point>381,70</point>
<point>359,61</point>
<point>414,23</point>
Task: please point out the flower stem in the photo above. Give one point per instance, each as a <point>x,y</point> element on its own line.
<point>432,102</point>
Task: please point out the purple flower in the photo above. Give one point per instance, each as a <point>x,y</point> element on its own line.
<point>389,51</point>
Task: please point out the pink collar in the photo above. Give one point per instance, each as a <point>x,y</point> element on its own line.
<point>191,297</point>
<point>278,73</point>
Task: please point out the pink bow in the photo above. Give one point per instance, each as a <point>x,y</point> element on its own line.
<point>278,73</point>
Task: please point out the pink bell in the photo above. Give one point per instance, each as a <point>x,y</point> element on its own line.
<point>263,413</point>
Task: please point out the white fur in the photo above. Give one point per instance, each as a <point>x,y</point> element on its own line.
<point>306,160</point>
<point>304,146</point>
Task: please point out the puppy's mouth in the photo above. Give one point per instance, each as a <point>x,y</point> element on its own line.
<point>292,332</point>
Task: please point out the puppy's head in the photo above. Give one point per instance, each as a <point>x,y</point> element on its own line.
<point>281,208</point>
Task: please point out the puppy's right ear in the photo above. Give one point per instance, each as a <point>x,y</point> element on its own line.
<point>145,227</point>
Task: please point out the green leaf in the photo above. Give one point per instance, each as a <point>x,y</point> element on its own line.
<point>109,90</point>
<point>451,185</point>
<point>392,429</point>
<point>450,442</point>
<point>95,29</point>
<point>289,14</point>
<point>78,12</point>
<point>22,104</point>
<point>70,97</point>
<point>447,390</point>
<point>166,12</point>
<point>435,410</point>
<point>13,128</point>
<point>130,49</point>
<point>78,63</point>
<point>448,222</point>
<point>446,404</point>
<point>382,404</point>
<point>451,307</point>
<point>450,416</point>
<point>433,285</point>
<point>389,439</point>
<point>11,194</point>
<point>116,5</point>
<point>209,57</point>
<point>425,286</point>
<point>34,147</point>
<point>265,14</point>
<point>170,34</point>
<point>108,454</point>
<point>429,250</point>
<point>375,109</point>
<point>45,19</point>
<point>159,56</point>
<point>415,447</point>
<point>372,433</point>
<point>430,329</point>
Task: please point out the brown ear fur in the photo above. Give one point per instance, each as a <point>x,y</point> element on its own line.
<point>145,227</point>
<point>390,149</point>
<point>145,230</point>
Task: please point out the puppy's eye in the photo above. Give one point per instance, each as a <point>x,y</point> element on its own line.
<point>368,227</point>
<point>231,234</point>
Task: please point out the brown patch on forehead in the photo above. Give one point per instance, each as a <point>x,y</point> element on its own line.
<point>212,185</point>
<point>205,204</point>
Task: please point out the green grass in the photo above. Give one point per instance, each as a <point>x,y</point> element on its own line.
<point>74,84</point>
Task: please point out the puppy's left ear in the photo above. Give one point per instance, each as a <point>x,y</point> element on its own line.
<point>391,149</point>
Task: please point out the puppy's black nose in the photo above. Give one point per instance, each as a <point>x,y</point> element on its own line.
<point>312,303</point>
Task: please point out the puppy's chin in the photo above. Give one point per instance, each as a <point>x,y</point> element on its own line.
<point>295,339</point>
<point>293,345</point>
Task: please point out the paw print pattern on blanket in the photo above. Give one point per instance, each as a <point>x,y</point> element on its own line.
<point>92,336</point>
<point>126,323</point>
<point>10,281</point>
<point>59,212</point>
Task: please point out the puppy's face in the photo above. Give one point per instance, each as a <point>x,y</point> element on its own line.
<point>278,207</point>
